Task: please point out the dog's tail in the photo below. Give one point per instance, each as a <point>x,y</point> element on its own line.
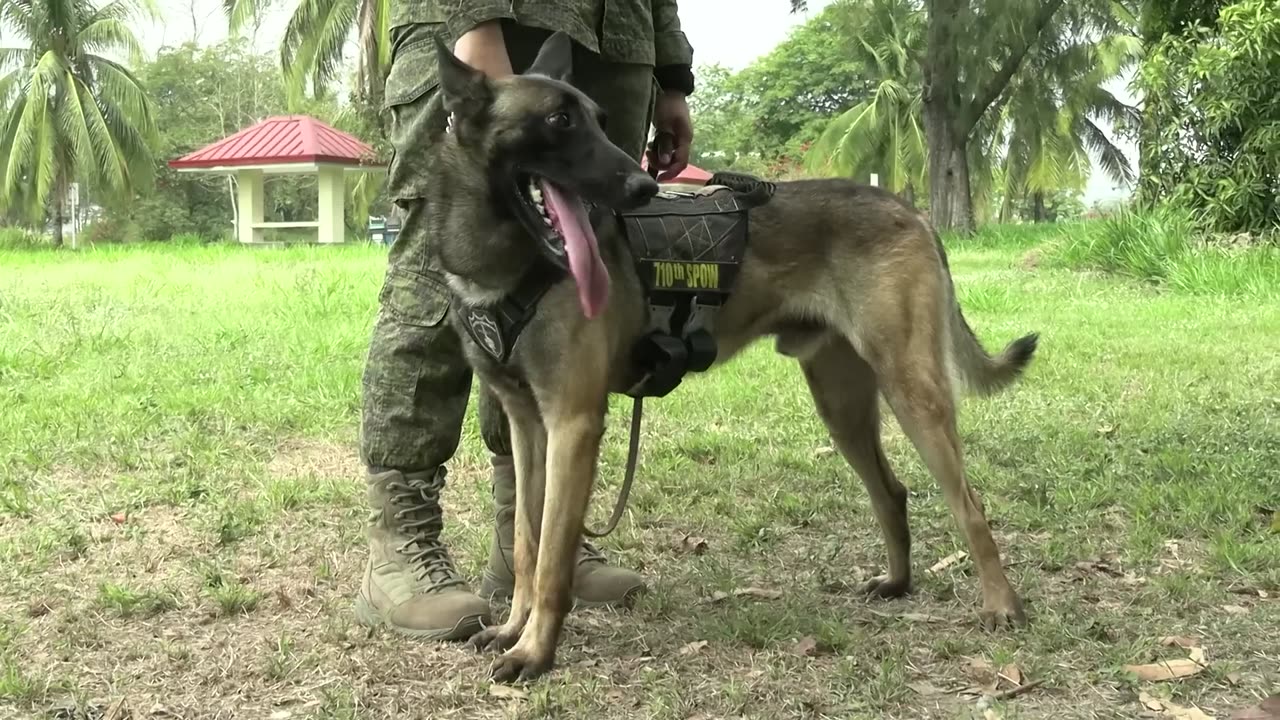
<point>979,371</point>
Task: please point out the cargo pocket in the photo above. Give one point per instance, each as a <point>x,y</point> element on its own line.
<point>412,83</point>
<point>414,299</point>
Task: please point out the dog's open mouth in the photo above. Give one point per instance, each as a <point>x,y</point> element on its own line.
<point>567,232</point>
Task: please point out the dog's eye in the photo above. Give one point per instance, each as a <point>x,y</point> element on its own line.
<point>559,120</point>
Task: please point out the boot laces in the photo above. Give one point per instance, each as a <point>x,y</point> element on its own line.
<point>422,519</point>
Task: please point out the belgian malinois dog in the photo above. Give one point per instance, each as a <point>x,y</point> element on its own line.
<point>849,280</point>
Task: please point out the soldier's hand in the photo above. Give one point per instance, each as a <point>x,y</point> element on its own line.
<point>671,116</point>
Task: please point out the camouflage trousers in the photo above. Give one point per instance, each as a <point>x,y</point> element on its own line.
<point>416,381</point>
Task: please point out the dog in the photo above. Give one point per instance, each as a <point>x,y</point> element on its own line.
<point>847,279</point>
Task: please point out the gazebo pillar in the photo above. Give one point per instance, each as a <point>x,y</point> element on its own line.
<point>332,186</point>
<point>250,205</point>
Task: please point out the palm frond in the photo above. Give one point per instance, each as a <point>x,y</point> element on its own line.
<point>122,88</point>
<point>73,130</point>
<point>243,12</point>
<point>313,43</point>
<point>111,34</point>
<point>1110,157</point>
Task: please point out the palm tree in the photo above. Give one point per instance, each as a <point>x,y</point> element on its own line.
<point>884,133</point>
<point>69,111</point>
<point>312,50</point>
<point>1052,113</point>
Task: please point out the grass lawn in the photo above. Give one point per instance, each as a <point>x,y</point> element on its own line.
<point>181,511</point>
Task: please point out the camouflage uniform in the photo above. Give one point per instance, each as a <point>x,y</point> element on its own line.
<point>416,383</point>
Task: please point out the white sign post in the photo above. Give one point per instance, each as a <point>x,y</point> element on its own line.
<point>74,199</point>
<point>875,179</point>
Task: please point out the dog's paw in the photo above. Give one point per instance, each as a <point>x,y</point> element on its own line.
<point>495,639</point>
<point>885,587</point>
<point>520,664</point>
<point>1003,614</point>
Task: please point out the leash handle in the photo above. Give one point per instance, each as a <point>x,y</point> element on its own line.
<point>633,454</point>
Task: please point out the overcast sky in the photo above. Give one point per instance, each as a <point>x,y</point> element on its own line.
<point>729,32</point>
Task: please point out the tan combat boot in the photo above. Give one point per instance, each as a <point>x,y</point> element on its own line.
<point>410,583</point>
<point>595,583</point>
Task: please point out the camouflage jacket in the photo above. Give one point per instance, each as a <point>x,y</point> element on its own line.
<point>633,31</point>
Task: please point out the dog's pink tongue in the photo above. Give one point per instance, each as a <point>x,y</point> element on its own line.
<point>580,243</point>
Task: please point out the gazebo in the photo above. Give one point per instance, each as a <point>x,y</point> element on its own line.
<point>281,145</point>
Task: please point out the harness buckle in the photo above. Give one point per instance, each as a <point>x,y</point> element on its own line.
<point>666,357</point>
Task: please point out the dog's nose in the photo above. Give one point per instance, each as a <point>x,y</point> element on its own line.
<point>639,188</point>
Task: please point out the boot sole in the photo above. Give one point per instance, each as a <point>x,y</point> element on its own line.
<point>463,630</point>
<point>492,591</point>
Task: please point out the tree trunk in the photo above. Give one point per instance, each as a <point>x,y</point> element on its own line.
<point>950,202</point>
<point>1037,207</point>
<point>950,118</point>
<point>950,199</point>
<point>369,80</point>
<point>57,217</point>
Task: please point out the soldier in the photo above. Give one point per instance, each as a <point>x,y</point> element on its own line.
<point>633,59</point>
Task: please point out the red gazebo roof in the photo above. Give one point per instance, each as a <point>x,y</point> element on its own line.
<point>283,140</point>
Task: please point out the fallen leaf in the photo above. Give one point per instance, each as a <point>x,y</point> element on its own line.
<point>506,691</point>
<point>756,592</point>
<point>119,518</point>
<point>991,714</point>
<point>1235,609</point>
<point>824,451</point>
<point>948,561</point>
<point>1098,566</point>
<point>910,617</point>
<point>281,715</point>
<point>693,647</point>
<point>692,544</point>
<point>983,675</point>
<point>1234,678</point>
<point>1181,641</point>
<point>1165,670</point>
<point>1196,655</point>
<point>1268,709</point>
<point>809,646</point>
<point>1172,710</point>
<point>924,688</point>
<point>118,710</point>
<point>1012,673</point>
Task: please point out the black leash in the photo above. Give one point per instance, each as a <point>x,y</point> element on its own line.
<point>633,455</point>
<point>663,142</point>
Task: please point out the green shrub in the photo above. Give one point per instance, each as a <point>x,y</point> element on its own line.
<point>12,238</point>
<point>106,230</point>
<point>1144,244</point>
<point>1167,246</point>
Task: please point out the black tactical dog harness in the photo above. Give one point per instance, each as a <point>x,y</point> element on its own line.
<point>688,247</point>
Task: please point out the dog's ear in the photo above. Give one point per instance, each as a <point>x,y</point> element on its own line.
<point>555,59</point>
<point>465,90</point>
